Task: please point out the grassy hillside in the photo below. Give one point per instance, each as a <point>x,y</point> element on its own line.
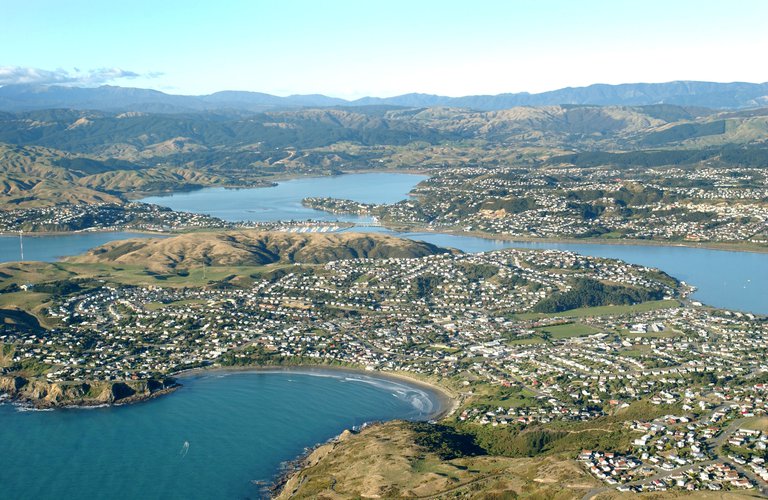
<point>252,248</point>
<point>142,136</point>
<point>31,177</point>
<point>415,460</point>
<point>393,460</point>
<point>68,156</point>
<point>34,176</point>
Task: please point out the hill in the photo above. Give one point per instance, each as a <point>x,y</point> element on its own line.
<point>32,176</point>
<point>231,143</point>
<point>110,98</point>
<point>682,93</point>
<point>60,156</point>
<point>137,136</point>
<point>407,460</point>
<point>35,176</point>
<point>253,248</point>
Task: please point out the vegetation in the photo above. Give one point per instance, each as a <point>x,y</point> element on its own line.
<point>445,441</point>
<point>587,292</point>
<point>566,330</point>
<point>252,248</point>
<point>387,461</point>
<point>748,156</point>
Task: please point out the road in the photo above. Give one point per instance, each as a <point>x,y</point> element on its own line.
<point>716,448</point>
<point>640,482</point>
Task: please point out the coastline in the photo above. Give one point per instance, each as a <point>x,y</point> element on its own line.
<point>34,234</point>
<point>721,246</point>
<point>444,400</point>
<point>274,180</point>
<point>447,402</point>
<point>39,397</point>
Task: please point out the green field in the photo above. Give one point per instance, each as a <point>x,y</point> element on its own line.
<point>587,312</point>
<point>526,341</point>
<point>154,306</point>
<point>506,397</point>
<point>567,330</point>
<point>139,275</point>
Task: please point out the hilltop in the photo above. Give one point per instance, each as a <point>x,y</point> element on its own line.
<point>417,460</point>
<point>254,248</point>
<point>30,176</point>
<point>107,97</point>
<point>231,146</point>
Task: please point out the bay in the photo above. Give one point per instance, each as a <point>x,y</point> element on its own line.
<point>210,439</point>
<point>734,280</point>
<point>283,202</point>
<point>49,248</point>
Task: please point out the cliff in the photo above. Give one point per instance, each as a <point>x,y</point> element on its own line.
<point>44,394</point>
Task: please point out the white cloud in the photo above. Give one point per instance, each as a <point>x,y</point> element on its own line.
<point>16,75</point>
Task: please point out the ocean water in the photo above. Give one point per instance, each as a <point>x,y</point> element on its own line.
<point>213,438</point>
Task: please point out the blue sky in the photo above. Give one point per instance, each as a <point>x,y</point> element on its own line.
<point>382,48</point>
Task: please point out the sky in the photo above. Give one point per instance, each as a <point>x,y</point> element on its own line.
<point>351,49</point>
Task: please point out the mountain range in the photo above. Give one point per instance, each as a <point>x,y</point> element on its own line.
<point>111,98</point>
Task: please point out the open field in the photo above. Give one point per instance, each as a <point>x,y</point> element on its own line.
<point>587,312</point>
<point>756,423</point>
<point>567,330</point>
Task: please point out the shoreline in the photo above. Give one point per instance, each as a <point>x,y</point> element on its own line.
<point>400,232</point>
<point>721,246</point>
<point>17,397</point>
<point>274,180</point>
<point>447,403</point>
<point>35,234</point>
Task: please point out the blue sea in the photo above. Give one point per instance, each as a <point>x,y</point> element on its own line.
<point>216,437</point>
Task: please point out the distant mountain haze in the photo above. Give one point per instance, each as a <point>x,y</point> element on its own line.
<point>110,98</point>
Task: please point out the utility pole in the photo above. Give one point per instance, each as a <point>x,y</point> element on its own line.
<point>21,244</point>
